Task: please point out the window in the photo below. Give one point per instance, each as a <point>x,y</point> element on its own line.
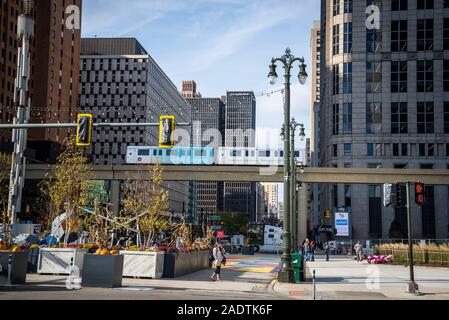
<point>446,3</point>
<point>336,40</point>
<point>424,76</point>
<point>424,37</point>
<point>400,150</point>
<point>446,33</point>
<point>399,36</point>
<point>422,149</point>
<point>373,118</point>
<point>425,4</point>
<point>336,8</point>
<point>347,149</point>
<point>404,150</point>
<point>374,149</point>
<point>447,150</point>
<point>335,150</point>
<point>144,152</point>
<point>395,150</point>
<point>446,117</point>
<point>399,118</point>
<point>373,40</point>
<point>426,117</point>
<point>370,150</point>
<point>348,192</point>
<point>399,5</point>
<point>347,77</point>
<point>430,150</point>
<point>335,194</point>
<point>348,6</point>
<point>347,118</point>
<point>336,75</point>
<point>399,76</point>
<point>373,77</point>
<point>347,41</point>
<point>336,119</point>
<point>446,75</point>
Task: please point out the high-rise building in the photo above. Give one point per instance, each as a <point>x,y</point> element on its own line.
<point>240,128</point>
<point>272,199</point>
<point>189,89</point>
<point>54,72</point>
<point>207,131</point>
<point>121,82</point>
<point>385,103</point>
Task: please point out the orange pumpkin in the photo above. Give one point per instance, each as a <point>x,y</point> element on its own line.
<point>3,247</point>
<point>114,252</point>
<point>104,252</point>
<point>15,249</point>
<point>98,251</point>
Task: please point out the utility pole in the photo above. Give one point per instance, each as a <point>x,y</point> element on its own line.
<point>412,285</point>
<point>25,32</point>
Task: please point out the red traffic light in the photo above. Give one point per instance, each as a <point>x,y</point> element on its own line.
<point>419,194</point>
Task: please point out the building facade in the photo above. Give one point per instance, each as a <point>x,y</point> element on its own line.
<point>272,199</point>
<point>55,66</point>
<point>207,131</point>
<point>240,125</point>
<point>121,82</point>
<point>385,103</point>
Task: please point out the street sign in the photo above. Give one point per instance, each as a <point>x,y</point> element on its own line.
<point>388,195</point>
<point>220,234</point>
<point>342,224</point>
<point>214,218</point>
<point>214,228</point>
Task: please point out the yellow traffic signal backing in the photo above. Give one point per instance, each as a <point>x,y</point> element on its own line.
<point>166,132</point>
<point>84,130</point>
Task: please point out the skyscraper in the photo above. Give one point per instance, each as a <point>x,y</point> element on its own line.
<point>120,82</point>
<point>385,103</point>
<point>55,66</point>
<point>272,196</point>
<point>207,131</point>
<point>240,128</point>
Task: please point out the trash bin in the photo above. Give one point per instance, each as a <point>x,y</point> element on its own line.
<point>297,264</point>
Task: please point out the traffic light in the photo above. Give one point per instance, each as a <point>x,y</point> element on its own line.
<point>84,130</point>
<point>419,194</point>
<point>166,132</point>
<point>400,195</point>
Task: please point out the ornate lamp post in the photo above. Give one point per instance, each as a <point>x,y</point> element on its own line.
<point>286,275</point>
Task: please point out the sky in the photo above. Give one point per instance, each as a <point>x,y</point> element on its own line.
<point>224,45</point>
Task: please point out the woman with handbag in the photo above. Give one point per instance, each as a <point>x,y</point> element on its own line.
<point>220,259</point>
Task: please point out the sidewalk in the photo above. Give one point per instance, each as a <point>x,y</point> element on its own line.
<point>346,279</point>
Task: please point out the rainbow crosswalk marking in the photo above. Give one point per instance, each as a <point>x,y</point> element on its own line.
<point>258,266</point>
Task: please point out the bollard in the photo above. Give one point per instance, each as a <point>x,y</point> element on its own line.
<point>314,285</point>
<point>9,270</point>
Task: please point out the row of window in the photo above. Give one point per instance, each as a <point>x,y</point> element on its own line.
<point>396,5</point>
<point>399,37</point>
<point>425,123</point>
<point>396,150</point>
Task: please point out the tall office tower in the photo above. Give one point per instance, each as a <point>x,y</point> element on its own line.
<point>272,199</point>
<point>189,89</point>
<point>315,49</point>
<point>120,82</point>
<point>261,203</point>
<point>385,103</point>
<point>207,131</point>
<point>240,128</point>
<point>55,65</point>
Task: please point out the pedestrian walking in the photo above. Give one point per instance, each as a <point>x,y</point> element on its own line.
<point>359,251</point>
<point>327,250</point>
<point>219,255</point>
<point>307,250</point>
<point>312,250</point>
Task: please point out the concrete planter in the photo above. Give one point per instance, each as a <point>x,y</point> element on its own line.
<point>102,271</point>
<point>33,260</point>
<point>19,265</point>
<point>179,264</point>
<point>57,260</point>
<point>143,264</point>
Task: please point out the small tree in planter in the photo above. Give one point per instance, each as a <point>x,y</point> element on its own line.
<point>69,187</point>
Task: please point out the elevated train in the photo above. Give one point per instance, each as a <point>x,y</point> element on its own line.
<point>209,156</point>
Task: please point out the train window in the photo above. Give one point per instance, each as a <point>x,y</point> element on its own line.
<point>271,236</point>
<point>252,153</point>
<point>265,154</point>
<point>169,153</point>
<point>297,154</point>
<point>160,153</point>
<point>236,153</point>
<point>186,152</point>
<point>198,153</point>
<point>282,154</point>
<point>204,153</point>
<point>144,153</point>
<point>247,153</point>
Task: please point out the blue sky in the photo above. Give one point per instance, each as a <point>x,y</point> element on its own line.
<point>223,45</point>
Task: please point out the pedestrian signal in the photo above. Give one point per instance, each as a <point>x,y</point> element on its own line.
<point>84,130</point>
<point>419,194</point>
<point>166,132</point>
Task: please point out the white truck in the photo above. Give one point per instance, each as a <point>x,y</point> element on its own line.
<point>272,240</point>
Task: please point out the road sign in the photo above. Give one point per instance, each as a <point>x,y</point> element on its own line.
<point>214,218</point>
<point>214,228</point>
<point>220,234</point>
<point>388,194</point>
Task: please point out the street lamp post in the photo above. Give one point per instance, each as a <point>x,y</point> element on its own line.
<point>286,275</point>
<point>293,192</point>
